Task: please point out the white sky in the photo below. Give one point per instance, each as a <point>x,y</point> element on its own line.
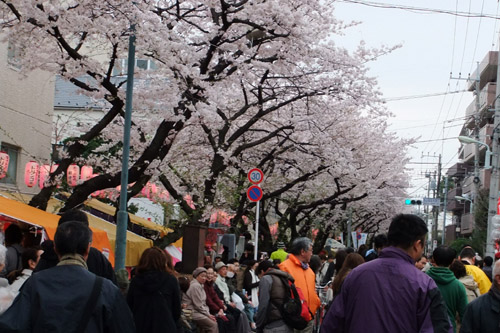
<point>434,44</point>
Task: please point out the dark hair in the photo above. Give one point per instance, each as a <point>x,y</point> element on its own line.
<point>299,244</point>
<point>264,265</point>
<point>405,229</point>
<point>352,261</point>
<point>74,215</point>
<point>250,264</point>
<point>323,256</point>
<point>315,263</point>
<point>488,261</point>
<point>362,250</point>
<point>179,266</point>
<point>28,254</point>
<point>13,235</point>
<point>249,247</point>
<point>380,241</point>
<point>458,269</point>
<point>467,252</point>
<point>232,261</point>
<point>152,259</point>
<point>443,255</point>
<point>276,263</point>
<point>72,238</point>
<point>183,283</point>
<point>339,260</point>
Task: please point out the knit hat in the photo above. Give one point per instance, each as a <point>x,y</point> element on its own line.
<point>198,271</point>
<point>219,265</point>
<point>281,245</point>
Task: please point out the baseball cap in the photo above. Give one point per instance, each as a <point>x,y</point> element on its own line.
<point>219,265</point>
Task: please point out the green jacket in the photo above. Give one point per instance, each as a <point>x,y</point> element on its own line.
<point>452,291</point>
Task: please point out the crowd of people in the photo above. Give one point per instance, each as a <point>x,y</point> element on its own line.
<point>65,286</point>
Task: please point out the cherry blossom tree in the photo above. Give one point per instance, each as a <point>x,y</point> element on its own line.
<point>236,85</point>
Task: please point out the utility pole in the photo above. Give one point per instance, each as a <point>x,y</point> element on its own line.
<point>494,179</point>
<point>445,202</point>
<point>436,209</point>
<point>476,137</point>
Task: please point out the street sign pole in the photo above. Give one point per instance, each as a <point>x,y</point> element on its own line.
<point>254,193</point>
<point>256,250</point>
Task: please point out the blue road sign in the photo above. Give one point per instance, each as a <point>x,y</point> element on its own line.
<point>254,193</point>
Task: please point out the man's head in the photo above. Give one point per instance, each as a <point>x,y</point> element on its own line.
<point>420,263</point>
<point>73,238</point>
<point>74,215</point>
<point>281,245</point>
<point>408,232</point>
<point>468,254</point>
<point>302,249</point>
<point>379,242</point>
<point>13,235</point>
<point>488,261</point>
<point>443,256</point>
<point>263,267</point>
<point>221,269</point>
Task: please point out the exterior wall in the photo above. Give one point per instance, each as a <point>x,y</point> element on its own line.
<point>26,107</point>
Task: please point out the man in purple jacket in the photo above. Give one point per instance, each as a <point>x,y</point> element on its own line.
<point>390,294</point>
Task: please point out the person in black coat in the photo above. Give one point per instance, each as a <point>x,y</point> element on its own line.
<point>97,263</point>
<point>154,295</point>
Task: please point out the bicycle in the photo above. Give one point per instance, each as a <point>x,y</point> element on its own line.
<point>322,291</point>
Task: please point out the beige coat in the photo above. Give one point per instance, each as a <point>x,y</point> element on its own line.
<point>197,301</point>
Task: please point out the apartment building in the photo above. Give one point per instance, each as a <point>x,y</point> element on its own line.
<point>26,108</point>
<point>478,125</point>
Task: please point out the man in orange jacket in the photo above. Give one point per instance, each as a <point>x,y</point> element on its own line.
<point>297,265</point>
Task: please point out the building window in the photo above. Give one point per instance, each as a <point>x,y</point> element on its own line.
<point>13,55</point>
<point>13,159</point>
<point>144,64</point>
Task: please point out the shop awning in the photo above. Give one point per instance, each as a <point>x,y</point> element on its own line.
<point>135,243</point>
<point>110,210</point>
<point>24,213</point>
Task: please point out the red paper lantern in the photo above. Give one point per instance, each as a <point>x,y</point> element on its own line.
<point>44,174</point>
<point>72,174</point>
<point>31,173</point>
<point>4,164</point>
<point>86,172</point>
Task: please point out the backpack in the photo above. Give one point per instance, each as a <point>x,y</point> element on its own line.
<point>294,310</point>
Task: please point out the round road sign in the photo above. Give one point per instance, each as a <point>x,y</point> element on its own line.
<point>254,193</point>
<point>255,176</point>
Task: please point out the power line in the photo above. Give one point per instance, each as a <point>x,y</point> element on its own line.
<point>390,99</point>
<point>422,9</point>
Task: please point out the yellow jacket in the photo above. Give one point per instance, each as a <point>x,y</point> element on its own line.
<point>480,277</point>
<point>304,279</point>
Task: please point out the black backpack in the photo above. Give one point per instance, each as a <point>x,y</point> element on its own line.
<point>292,308</point>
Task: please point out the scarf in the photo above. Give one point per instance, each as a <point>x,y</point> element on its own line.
<point>255,290</point>
<point>73,259</point>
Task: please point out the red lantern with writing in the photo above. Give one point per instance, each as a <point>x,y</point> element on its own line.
<point>43,175</point>
<point>86,172</point>
<point>73,173</point>
<point>31,173</point>
<point>4,164</point>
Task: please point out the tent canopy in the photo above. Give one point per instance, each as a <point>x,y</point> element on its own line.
<point>24,213</point>
<point>110,210</point>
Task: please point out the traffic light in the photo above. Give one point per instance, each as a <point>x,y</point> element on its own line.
<point>413,201</point>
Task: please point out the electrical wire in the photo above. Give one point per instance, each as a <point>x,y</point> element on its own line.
<point>421,9</point>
